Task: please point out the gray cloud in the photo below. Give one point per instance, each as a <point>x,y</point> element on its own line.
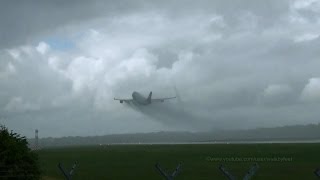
<point>21,22</point>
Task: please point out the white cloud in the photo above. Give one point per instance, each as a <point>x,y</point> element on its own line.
<point>306,4</point>
<point>84,72</point>
<point>305,11</point>
<point>296,18</point>
<point>43,48</point>
<point>141,62</point>
<point>306,37</point>
<point>311,92</point>
<point>54,62</point>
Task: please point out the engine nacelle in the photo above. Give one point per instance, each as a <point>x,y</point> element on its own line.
<point>121,101</point>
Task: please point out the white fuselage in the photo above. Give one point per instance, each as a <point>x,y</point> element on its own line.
<point>138,98</point>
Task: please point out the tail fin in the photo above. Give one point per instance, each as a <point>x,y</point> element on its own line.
<point>149,97</point>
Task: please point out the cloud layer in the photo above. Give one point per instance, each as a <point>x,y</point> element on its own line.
<point>243,64</point>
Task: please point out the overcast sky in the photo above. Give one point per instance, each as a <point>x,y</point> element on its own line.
<point>235,64</point>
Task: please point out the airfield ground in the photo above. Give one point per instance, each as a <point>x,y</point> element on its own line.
<point>199,162</point>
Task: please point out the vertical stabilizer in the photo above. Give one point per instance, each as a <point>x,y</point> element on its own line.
<point>149,97</point>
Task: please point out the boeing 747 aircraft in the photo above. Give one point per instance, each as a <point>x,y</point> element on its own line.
<point>140,99</point>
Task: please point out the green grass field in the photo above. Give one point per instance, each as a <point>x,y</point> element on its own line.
<point>198,161</point>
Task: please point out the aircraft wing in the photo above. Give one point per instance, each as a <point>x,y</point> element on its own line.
<point>124,100</point>
<point>161,99</point>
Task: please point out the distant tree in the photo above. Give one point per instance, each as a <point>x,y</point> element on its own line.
<point>17,161</point>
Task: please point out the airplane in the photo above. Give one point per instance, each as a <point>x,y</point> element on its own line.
<point>140,99</point>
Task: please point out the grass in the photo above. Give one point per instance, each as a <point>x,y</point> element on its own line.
<point>198,161</point>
